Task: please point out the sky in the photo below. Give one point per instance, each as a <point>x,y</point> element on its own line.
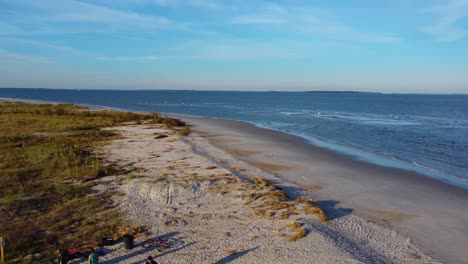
<point>395,46</point>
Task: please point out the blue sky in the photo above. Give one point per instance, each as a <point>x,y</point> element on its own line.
<point>364,45</point>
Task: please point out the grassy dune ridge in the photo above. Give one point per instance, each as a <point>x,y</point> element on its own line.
<point>47,167</point>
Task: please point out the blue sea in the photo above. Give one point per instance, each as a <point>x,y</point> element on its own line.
<point>423,133</point>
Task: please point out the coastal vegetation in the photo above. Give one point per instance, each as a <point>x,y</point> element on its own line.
<point>48,165</point>
<point>268,200</point>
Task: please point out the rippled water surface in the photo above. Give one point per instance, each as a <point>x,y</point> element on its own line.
<point>426,133</point>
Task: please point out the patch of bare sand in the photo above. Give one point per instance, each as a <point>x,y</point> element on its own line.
<point>270,166</point>
<point>220,215</point>
<point>389,216</point>
<point>224,140</point>
<point>243,152</point>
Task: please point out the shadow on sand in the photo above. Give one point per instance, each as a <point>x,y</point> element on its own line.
<point>139,250</point>
<point>332,211</point>
<point>330,207</point>
<point>234,256</point>
<point>359,252</point>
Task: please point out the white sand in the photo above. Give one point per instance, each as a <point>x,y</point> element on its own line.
<point>432,213</point>
<point>175,194</point>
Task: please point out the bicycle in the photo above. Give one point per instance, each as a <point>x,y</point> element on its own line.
<point>160,243</point>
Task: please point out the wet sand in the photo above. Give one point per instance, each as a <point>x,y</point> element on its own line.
<point>433,214</point>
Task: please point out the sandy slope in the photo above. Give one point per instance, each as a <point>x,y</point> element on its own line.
<point>187,189</point>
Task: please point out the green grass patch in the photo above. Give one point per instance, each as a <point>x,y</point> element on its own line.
<point>46,159</point>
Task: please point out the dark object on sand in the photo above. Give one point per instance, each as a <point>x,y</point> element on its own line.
<point>150,261</point>
<point>62,257</point>
<point>159,136</point>
<point>67,255</point>
<point>128,241</point>
<point>107,241</point>
<point>161,243</point>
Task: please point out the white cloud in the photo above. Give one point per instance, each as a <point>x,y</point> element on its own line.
<point>250,20</point>
<point>446,27</point>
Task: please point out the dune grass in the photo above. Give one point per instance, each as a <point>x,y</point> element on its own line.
<point>270,201</point>
<point>47,165</point>
<point>296,231</point>
<point>185,131</point>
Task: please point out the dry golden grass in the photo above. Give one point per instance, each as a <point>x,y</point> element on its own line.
<point>234,168</point>
<point>296,231</point>
<point>48,165</point>
<point>303,200</point>
<point>218,160</point>
<point>185,131</point>
<point>318,212</point>
<point>293,225</point>
<point>311,209</point>
<point>260,181</point>
<point>266,200</point>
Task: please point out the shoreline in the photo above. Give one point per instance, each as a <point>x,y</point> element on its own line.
<point>202,195</point>
<point>398,164</point>
<point>289,160</point>
<point>368,157</point>
<point>425,209</point>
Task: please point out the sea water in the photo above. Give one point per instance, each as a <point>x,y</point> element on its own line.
<point>424,133</point>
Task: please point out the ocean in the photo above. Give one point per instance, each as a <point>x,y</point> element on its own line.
<point>423,133</point>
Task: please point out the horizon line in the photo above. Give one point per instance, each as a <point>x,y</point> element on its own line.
<point>228,90</point>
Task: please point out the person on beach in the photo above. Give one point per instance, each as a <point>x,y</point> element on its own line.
<point>150,260</point>
<point>93,257</point>
<point>62,256</point>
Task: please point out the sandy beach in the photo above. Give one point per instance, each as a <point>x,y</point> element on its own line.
<point>205,192</point>
<point>227,131</point>
<point>430,213</point>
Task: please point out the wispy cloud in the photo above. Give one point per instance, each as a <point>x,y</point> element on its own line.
<point>446,27</point>
<point>266,13</point>
<point>210,4</point>
<point>144,58</point>
<point>250,20</point>
<point>306,19</point>
<point>339,31</point>
<point>226,50</point>
<point>57,16</point>
<point>40,46</point>
<point>6,55</point>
